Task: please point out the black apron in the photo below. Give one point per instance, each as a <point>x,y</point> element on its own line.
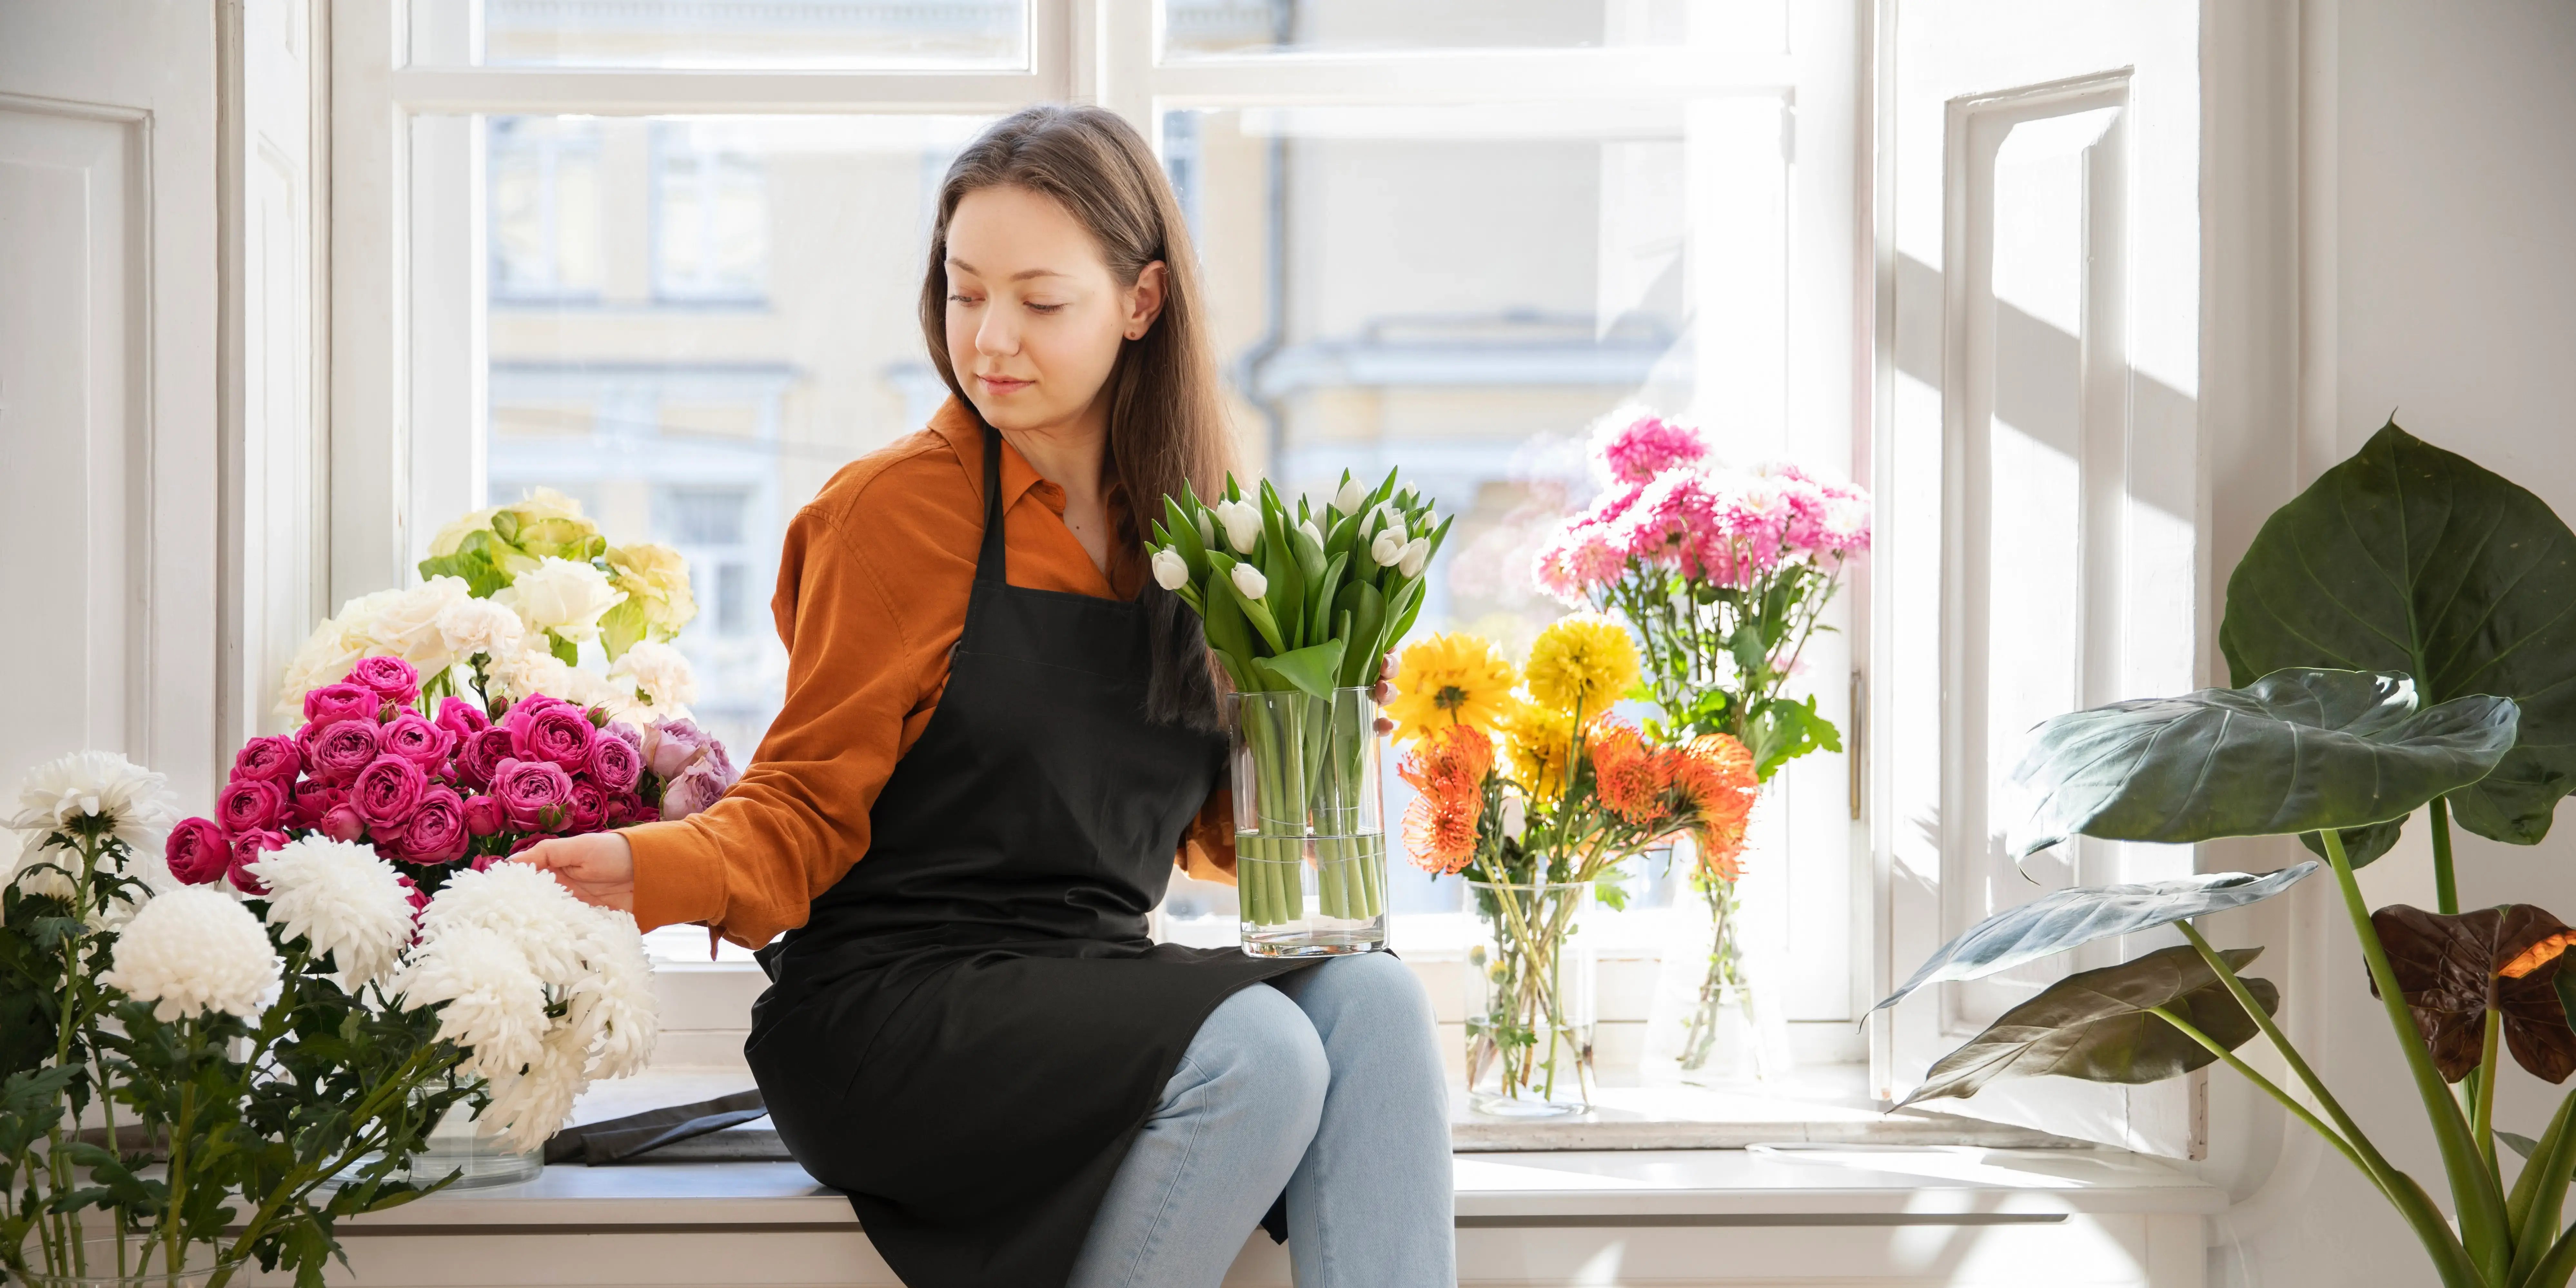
<point>970,1027</point>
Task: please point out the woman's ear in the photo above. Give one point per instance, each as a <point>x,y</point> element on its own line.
<point>1145,299</point>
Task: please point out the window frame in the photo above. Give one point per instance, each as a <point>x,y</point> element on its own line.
<point>400,463</point>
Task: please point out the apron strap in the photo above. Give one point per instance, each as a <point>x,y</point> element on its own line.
<point>990,563</point>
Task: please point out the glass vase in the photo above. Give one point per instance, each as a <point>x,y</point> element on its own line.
<point>1309,824</point>
<point>1530,1008</point>
<point>1719,1043</point>
<point>459,1145</point>
<point>144,1264</point>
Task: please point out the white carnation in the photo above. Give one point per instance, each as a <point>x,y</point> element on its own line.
<point>338,894</point>
<point>409,626</point>
<point>533,670</point>
<point>473,626</point>
<point>659,672</point>
<point>561,596</point>
<point>193,950</point>
<point>496,1005</point>
<point>98,784</point>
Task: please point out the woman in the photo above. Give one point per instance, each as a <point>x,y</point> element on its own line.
<point>999,735</point>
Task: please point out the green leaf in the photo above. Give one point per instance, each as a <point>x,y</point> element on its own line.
<point>1368,614</point>
<point>1311,669</point>
<point>2297,751</point>
<point>2064,919</point>
<point>2410,558</point>
<point>2096,1025</point>
<point>1286,599</point>
<point>1183,535</point>
<point>564,649</point>
<point>1319,626</point>
<point>1779,730</point>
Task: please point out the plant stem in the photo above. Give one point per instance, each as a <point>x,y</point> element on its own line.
<point>2482,1122</point>
<point>2474,1191</point>
<point>2379,1167</point>
<point>2446,888</point>
<point>2272,1089</point>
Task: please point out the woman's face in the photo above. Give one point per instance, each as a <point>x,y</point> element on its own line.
<point>1035,318</point>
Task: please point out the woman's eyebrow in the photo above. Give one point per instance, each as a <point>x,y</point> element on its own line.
<point>1021,276</point>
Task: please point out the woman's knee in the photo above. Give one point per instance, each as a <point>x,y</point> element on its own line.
<point>1375,990</point>
<point>1257,1048</point>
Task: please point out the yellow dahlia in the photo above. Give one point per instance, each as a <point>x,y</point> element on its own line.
<point>1450,680</point>
<point>1584,661</point>
<point>1537,744</point>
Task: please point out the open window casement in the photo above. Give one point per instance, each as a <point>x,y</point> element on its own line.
<point>2038,469</point>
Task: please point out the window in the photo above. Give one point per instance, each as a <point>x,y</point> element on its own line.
<point>1444,237</point>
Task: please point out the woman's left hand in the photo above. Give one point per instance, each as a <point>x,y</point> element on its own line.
<point>1384,689</point>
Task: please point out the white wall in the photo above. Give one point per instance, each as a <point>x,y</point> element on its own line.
<point>2425,191</point>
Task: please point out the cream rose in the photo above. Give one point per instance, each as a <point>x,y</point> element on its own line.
<point>562,597</point>
<point>410,626</point>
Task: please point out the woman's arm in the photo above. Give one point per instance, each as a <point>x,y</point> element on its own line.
<point>752,863</point>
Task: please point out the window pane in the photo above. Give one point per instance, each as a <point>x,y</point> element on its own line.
<point>808,35</point>
<point>706,428</point>
<point>1252,26</point>
<point>1461,292</point>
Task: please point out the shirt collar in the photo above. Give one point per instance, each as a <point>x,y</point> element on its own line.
<point>965,434</point>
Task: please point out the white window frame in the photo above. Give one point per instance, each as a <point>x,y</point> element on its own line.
<point>1784,328</point>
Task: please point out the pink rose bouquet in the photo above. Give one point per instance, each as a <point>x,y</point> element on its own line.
<point>440,788</point>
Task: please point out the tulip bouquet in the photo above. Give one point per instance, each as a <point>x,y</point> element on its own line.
<point>437,789</point>
<point>1300,608</point>
<point>1725,576</point>
<point>508,597</point>
<point>192,1081</point>
<point>1530,787</point>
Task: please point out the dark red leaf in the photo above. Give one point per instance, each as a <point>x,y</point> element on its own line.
<point>2451,967</point>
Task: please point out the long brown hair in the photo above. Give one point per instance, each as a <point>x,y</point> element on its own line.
<point>1166,422</point>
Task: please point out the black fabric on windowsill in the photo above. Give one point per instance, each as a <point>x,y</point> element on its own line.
<point>616,1140</point>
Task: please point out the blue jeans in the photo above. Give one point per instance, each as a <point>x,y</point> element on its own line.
<point>1325,1082</point>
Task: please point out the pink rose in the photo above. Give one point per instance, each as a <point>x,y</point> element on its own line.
<point>342,701</point>
<point>483,816</point>
<point>673,745</point>
<point>614,763</point>
<point>198,851</point>
<point>559,733</point>
<point>341,823</point>
<point>247,849</point>
<point>391,679</point>
<point>387,791</point>
<point>481,756</point>
<point>625,733</point>
<point>462,718</point>
<point>275,758</point>
<point>249,805</point>
<point>343,748</point>
<point>419,902</point>
<point>417,740</point>
<point>700,785</point>
<point>436,832</point>
<point>588,806</point>
<point>534,793</point>
<point>312,799</point>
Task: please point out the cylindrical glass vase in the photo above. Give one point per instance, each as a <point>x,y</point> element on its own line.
<point>144,1263</point>
<point>1530,1002</point>
<point>1309,824</point>
<point>458,1144</point>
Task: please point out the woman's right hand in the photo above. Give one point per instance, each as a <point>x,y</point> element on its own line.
<point>598,867</point>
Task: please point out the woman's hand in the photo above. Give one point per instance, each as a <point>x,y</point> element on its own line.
<point>598,867</point>
<point>1384,689</point>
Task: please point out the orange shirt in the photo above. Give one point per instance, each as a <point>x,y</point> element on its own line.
<point>872,589</point>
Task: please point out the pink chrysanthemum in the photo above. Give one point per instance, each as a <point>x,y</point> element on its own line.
<point>1641,448</point>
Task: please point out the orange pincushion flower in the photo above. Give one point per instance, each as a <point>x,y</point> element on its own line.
<point>1715,777</point>
<point>1629,776</point>
<point>1448,767</point>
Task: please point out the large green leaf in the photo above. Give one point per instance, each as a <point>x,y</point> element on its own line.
<point>2096,1025</point>
<point>2410,558</point>
<point>2297,751</point>
<point>2063,919</point>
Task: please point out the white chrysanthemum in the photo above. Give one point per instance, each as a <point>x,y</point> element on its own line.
<point>523,904</point>
<point>193,950</point>
<point>561,596</point>
<point>408,627</point>
<point>350,903</point>
<point>480,626</point>
<point>97,784</point>
<point>496,1005</point>
<point>660,673</point>
<point>34,870</point>
<point>613,1006</point>
<point>527,1107</point>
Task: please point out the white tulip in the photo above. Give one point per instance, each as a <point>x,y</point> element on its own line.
<point>1312,532</point>
<point>1348,499</point>
<point>1242,520</point>
<point>1249,580</point>
<point>1388,548</point>
<point>1515,816</point>
<point>1207,532</point>
<point>1171,572</point>
<point>1417,552</point>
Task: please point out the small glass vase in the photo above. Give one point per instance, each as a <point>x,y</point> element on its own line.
<point>1719,1043</point>
<point>1309,824</point>
<point>458,1145</point>
<point>145,1265</point>
<point>1530,1009</point>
